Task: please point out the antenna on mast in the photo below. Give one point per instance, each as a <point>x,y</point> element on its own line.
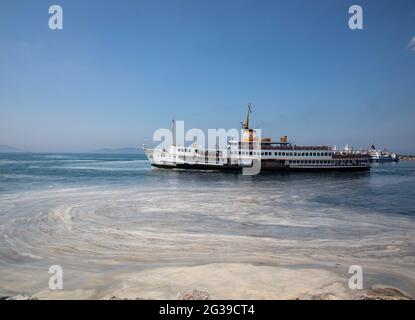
<point>245,125</point>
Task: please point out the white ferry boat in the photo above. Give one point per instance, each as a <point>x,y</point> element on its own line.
<point>382,155</point>
<point>273,156</point>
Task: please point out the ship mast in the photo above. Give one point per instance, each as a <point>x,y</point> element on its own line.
<point>174,131</point>
<point>245,125</point>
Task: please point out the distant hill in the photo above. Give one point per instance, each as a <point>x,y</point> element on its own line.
<point>4,148</point>
<point>120,150</point>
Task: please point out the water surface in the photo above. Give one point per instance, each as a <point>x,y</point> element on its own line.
<point>104,218</point>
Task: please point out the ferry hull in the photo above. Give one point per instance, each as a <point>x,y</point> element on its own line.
<point>206,167</point>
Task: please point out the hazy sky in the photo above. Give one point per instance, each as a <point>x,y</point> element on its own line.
<point>121,69</point>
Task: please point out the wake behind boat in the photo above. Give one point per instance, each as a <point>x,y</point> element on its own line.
<point>273,156</point>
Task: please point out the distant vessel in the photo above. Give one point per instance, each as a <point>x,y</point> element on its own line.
<point>381,156</point>
<point>274,156</point>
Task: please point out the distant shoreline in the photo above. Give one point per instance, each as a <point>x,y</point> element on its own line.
<point>100,151</point>
<point>407,158</point>
<point>125,151</point>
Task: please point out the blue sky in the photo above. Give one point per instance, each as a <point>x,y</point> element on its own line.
<point>121,69</point>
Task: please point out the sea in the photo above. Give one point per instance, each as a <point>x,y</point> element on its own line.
<point>108,218</point>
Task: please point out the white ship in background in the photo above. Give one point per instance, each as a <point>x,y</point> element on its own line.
<point>274,156</point>
<point>374,154</point>
<point>381,155</point>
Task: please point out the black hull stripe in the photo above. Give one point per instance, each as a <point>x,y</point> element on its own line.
<point>267,169</point>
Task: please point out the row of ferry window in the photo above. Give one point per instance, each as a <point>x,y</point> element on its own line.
<point>322,162</point>
<point>294,154</point>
